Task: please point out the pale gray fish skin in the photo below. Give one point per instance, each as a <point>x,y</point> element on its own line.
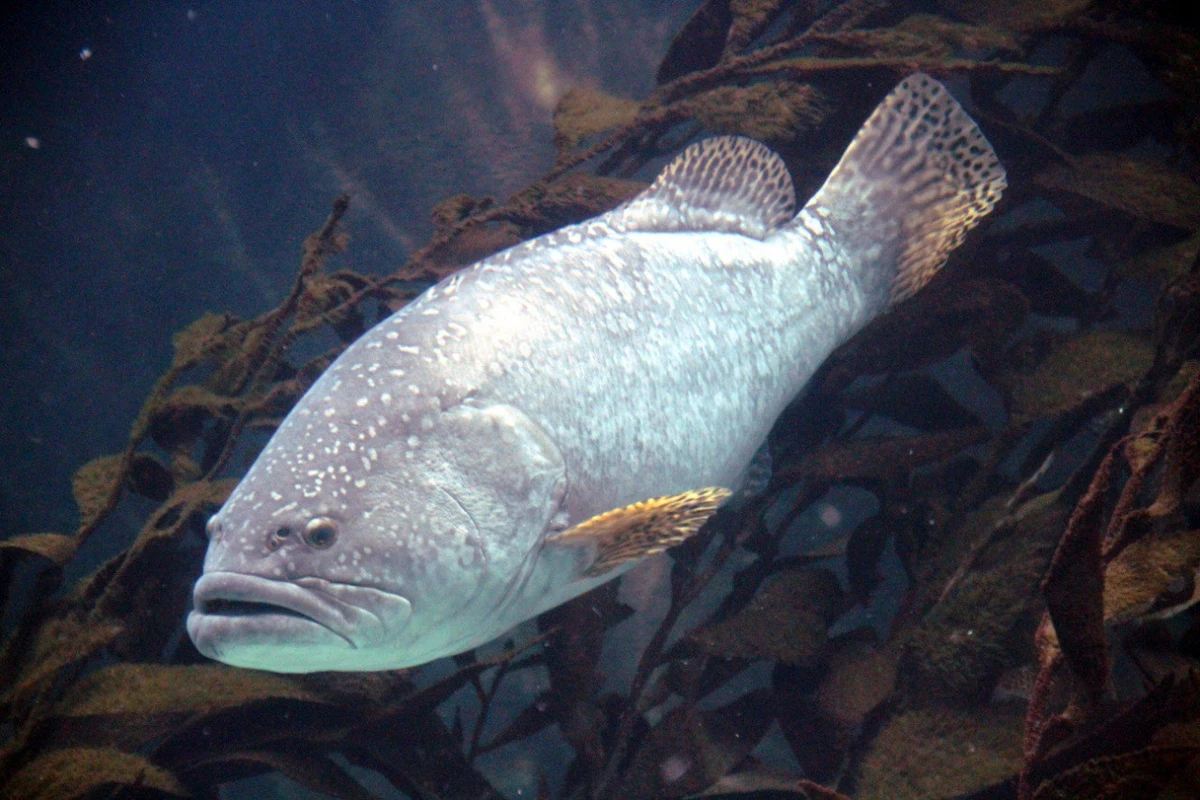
<point>587,369</point>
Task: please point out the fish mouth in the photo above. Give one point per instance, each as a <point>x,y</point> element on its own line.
<point>252,599</point>
<point>247,608</point>
<point>249,620</point>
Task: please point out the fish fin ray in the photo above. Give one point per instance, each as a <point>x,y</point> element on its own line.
<point>643,528</point>
<point>728,184</point>
<point>919,168</point>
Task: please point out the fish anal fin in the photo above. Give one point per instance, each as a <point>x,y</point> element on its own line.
<point>727,184</point>
<point>642,529</point>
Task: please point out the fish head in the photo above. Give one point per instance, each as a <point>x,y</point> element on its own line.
<point>361,546</point>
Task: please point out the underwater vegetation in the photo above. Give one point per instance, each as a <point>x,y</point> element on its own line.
<point>1027,428</point>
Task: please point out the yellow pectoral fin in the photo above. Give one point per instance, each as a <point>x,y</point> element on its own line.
<point>642,529</point>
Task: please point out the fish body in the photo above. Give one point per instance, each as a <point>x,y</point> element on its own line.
<point>531,426</point>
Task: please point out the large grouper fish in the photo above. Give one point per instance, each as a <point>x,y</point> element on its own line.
<point>532,426</point>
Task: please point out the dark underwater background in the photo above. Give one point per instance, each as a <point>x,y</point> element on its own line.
<point>179,165</point>
<point>969,575</point>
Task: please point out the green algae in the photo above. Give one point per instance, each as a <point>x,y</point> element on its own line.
<point>939,752</point>
<point>1079,368</point>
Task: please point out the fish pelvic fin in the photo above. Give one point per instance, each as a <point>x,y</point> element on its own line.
<point>729,184</point>
<point>641,529</point>
<point>916,178</point>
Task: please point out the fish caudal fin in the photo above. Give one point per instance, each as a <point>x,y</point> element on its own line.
<point>641,529</point>
<point>916,178</point>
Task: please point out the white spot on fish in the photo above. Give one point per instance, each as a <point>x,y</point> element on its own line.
<point>360,402</point>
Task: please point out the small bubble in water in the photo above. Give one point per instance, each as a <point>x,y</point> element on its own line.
<point>674,768</point>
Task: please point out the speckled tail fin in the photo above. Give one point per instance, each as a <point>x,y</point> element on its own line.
<point>916,178</point>
<point>641,529</point>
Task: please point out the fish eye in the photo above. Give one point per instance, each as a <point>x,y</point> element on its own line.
<point>320,533</point>
<point>212,528</point>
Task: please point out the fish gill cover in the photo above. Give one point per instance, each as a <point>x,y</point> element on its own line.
<point>1045,642</point>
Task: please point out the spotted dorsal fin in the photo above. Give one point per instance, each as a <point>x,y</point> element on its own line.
<point>642,529</point>
<point>729,184</point>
